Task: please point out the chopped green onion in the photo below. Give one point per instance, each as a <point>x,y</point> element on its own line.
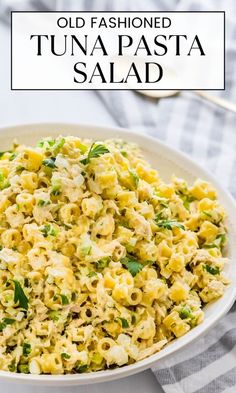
<point>185,313</point>
<point>23,368</point>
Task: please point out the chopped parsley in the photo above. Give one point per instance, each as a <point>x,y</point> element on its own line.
<point>5,322</point>
<point>19,296</point>
<point>95,151</point>
<point>124,322</point>
<point>132,265</point>
<point>19,169</point>
<point>26,349</point>
<point>48,230</point>
<point>65,355</point>
<point>50,162</point>
<point>169,224</point>
<point>102,263</point>
<point>46,143</point>
<point>52,144</point>
<point>81,368</point>
<point>64,300</point>
<point>212,270</point>
<point>219,242</point>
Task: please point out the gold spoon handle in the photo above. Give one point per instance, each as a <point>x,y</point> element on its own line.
<point>217,100</point>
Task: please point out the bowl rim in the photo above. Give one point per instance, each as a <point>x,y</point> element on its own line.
<point>194,334</point>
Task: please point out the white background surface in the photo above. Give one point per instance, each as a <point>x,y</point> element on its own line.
<point>18,107</point>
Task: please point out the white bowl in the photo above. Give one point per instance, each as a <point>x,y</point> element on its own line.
<point>167,161</point>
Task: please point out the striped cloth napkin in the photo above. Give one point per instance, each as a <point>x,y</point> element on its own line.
<point>207,134</point>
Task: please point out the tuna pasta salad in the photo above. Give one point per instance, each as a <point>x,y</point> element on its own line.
<point>102,263</point>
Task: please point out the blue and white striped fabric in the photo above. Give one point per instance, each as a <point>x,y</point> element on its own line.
<point>207,134</point>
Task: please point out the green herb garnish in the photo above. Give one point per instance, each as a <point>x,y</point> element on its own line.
<point>48,230</point>
<point>185,313</point>
<point>124,322</point>
<point>133,266</point>
<point>58,145</point>
<point>50,162</point>
<point>19,296</point>
<point>56,190</point>
<point>212,270</point>
<point>23,368</point>
<point>91,274</point>
<point>65,355</point>
<point>5,322</point>
<point>206,213</point>
<point>85,250</point>
<point>54,315</point>
<point>169,224</point>
<point>26,349</point>
<point>219,242</point>
<point>43,203</point>
<point>102,263</point>
<point>95,151</point>
<point>64,300</point>
<point>134,177</point>
<point>19,169</point>
<point>82,368</point>
<point>46,143</point>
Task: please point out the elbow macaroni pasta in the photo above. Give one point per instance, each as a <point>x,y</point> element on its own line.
<point>101,262</point>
